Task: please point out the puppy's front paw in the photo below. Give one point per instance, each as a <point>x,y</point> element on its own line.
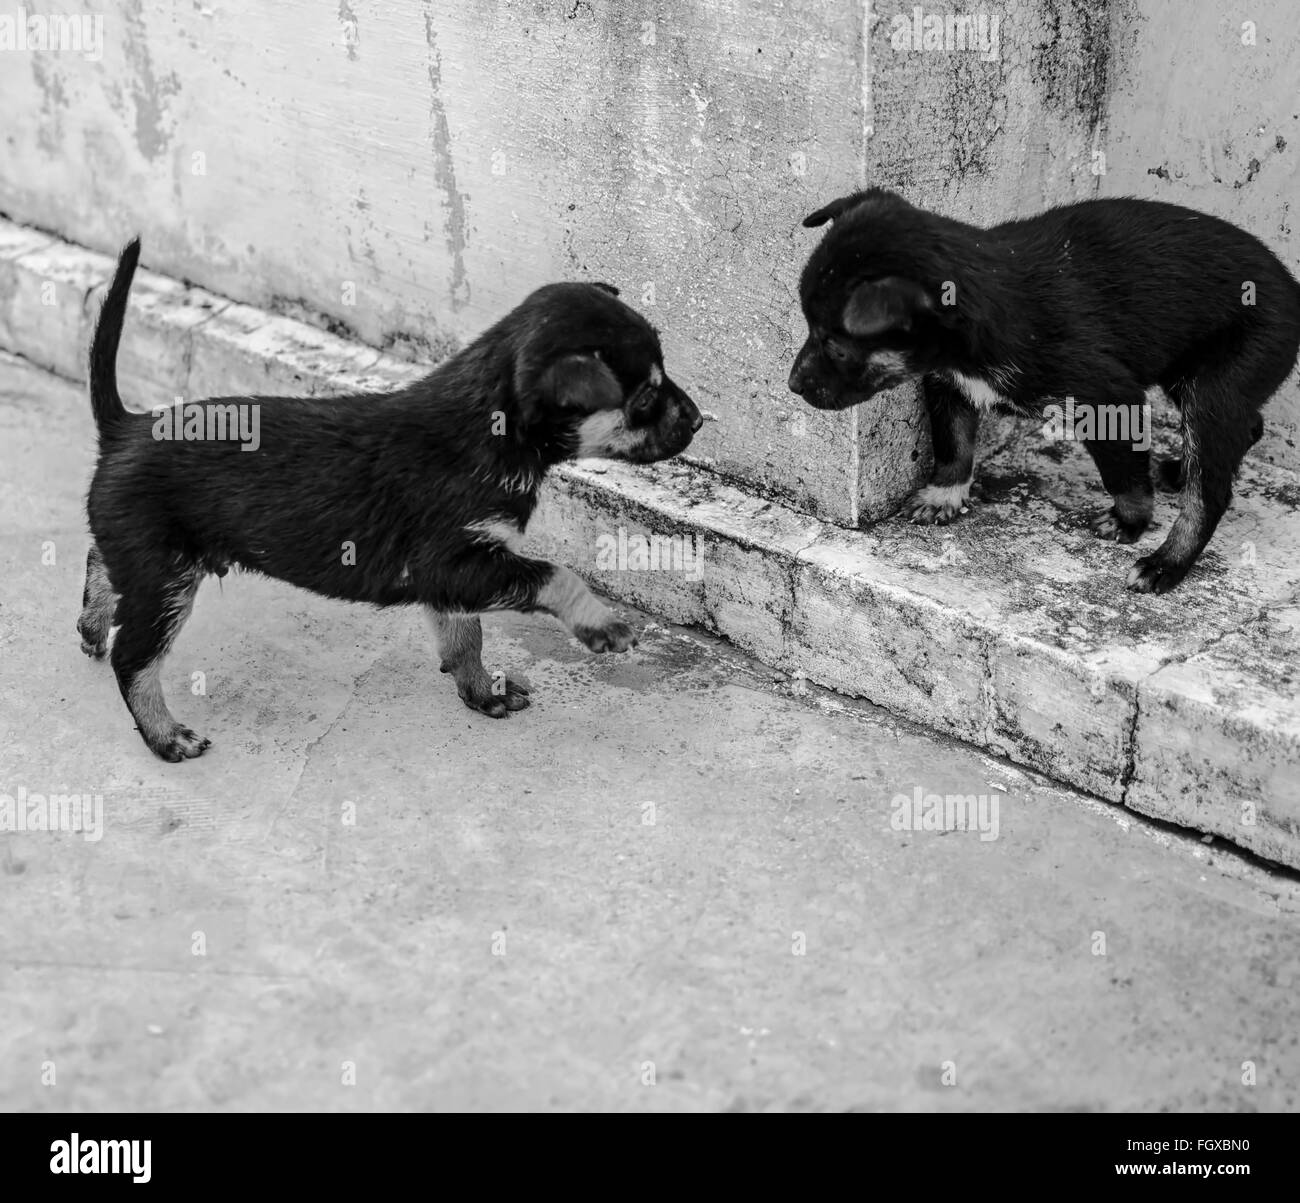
<point>95,649</point>
<point>176,743</point>
<point>938,504</point>
<point>1156,573</point>
<point>612,636</point>
<point>1111,525</point>
<point>496,696</point>
<point>94,638</point>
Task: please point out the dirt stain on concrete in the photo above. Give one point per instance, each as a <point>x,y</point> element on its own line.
<point>456,225</point>
<point>54,101</point>
<point>149,91</point>
<point>351,30</point>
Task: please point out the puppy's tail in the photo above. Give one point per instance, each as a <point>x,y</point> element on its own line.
<point>104,400</point>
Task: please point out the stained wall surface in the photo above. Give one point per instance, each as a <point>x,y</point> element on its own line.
<point>407,171</point>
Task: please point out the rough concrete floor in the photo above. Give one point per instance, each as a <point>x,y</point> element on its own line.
<point>374,944</point>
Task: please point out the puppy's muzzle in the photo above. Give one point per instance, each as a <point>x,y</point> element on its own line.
<point>801,375</point>
<point>817,382</point>
<point>689,416</point>
<point>677,421</point>
<point>812,379</point>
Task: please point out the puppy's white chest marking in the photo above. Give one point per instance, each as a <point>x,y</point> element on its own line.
<point>499,531</point>
<point>979,392</point>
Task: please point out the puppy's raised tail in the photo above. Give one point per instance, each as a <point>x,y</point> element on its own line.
<point>104,399</point>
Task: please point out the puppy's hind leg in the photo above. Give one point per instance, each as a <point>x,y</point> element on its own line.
<point>151,616</point>
<point>460,646</point>
<point>1220,422</point>
<point>1170,474</point>
<point>98,606</point>
<point>1126,474</point>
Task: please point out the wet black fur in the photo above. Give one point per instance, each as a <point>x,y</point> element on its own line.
<point>398,475</point>
<point>1098,300</point>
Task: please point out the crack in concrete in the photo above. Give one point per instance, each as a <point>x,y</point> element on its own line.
<point>37,366</point>
<point>792,568</point>
<point>1214,640</point>
<point>1131,743</point>
<point>988,692</point>
<point>310,749</point>
<point>169,972</point>
<point>1131,748</point>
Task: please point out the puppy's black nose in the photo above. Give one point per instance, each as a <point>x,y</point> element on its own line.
<point>688,413</point>
<point>795,383</point>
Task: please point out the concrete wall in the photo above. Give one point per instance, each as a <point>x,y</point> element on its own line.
<point>444,158</point>
<point>405,170</point>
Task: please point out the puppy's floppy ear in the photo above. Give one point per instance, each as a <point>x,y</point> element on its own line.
<point>837,208</point>
<point>890,303</point>
<point>609,288</point>
<point>582,383</point>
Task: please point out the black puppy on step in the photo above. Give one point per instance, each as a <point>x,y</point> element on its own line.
<point>1098,301</point>
<point>414,497</point>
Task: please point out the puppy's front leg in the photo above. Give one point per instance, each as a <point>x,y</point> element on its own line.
<point>504,580</point>
<point>565,596</point>
<point>460,646</point>
<point>954,423</point>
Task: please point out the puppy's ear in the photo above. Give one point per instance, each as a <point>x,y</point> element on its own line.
<point>609,288</point>
<point>891,303</point>
<point>581,383</point>
<point>837,208</point>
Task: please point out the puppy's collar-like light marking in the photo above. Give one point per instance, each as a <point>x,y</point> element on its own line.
<point>978,391</point>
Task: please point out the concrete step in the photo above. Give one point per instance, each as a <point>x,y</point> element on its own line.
<point>1010,629</point>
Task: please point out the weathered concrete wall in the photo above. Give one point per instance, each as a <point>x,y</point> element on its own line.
<point>1205,111</point>
<point>412,169</point>
<point>405,170</point>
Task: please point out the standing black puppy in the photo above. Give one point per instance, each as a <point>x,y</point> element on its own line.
<point>415,497</point>
<point>1098,301</point>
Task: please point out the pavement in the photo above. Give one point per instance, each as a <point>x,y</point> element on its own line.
<point>681,881</point>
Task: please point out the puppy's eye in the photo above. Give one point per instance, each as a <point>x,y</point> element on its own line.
<point>835,351</point>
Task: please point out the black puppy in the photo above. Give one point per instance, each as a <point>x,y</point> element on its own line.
<point>1098,301</point>
<point>414,497</point>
